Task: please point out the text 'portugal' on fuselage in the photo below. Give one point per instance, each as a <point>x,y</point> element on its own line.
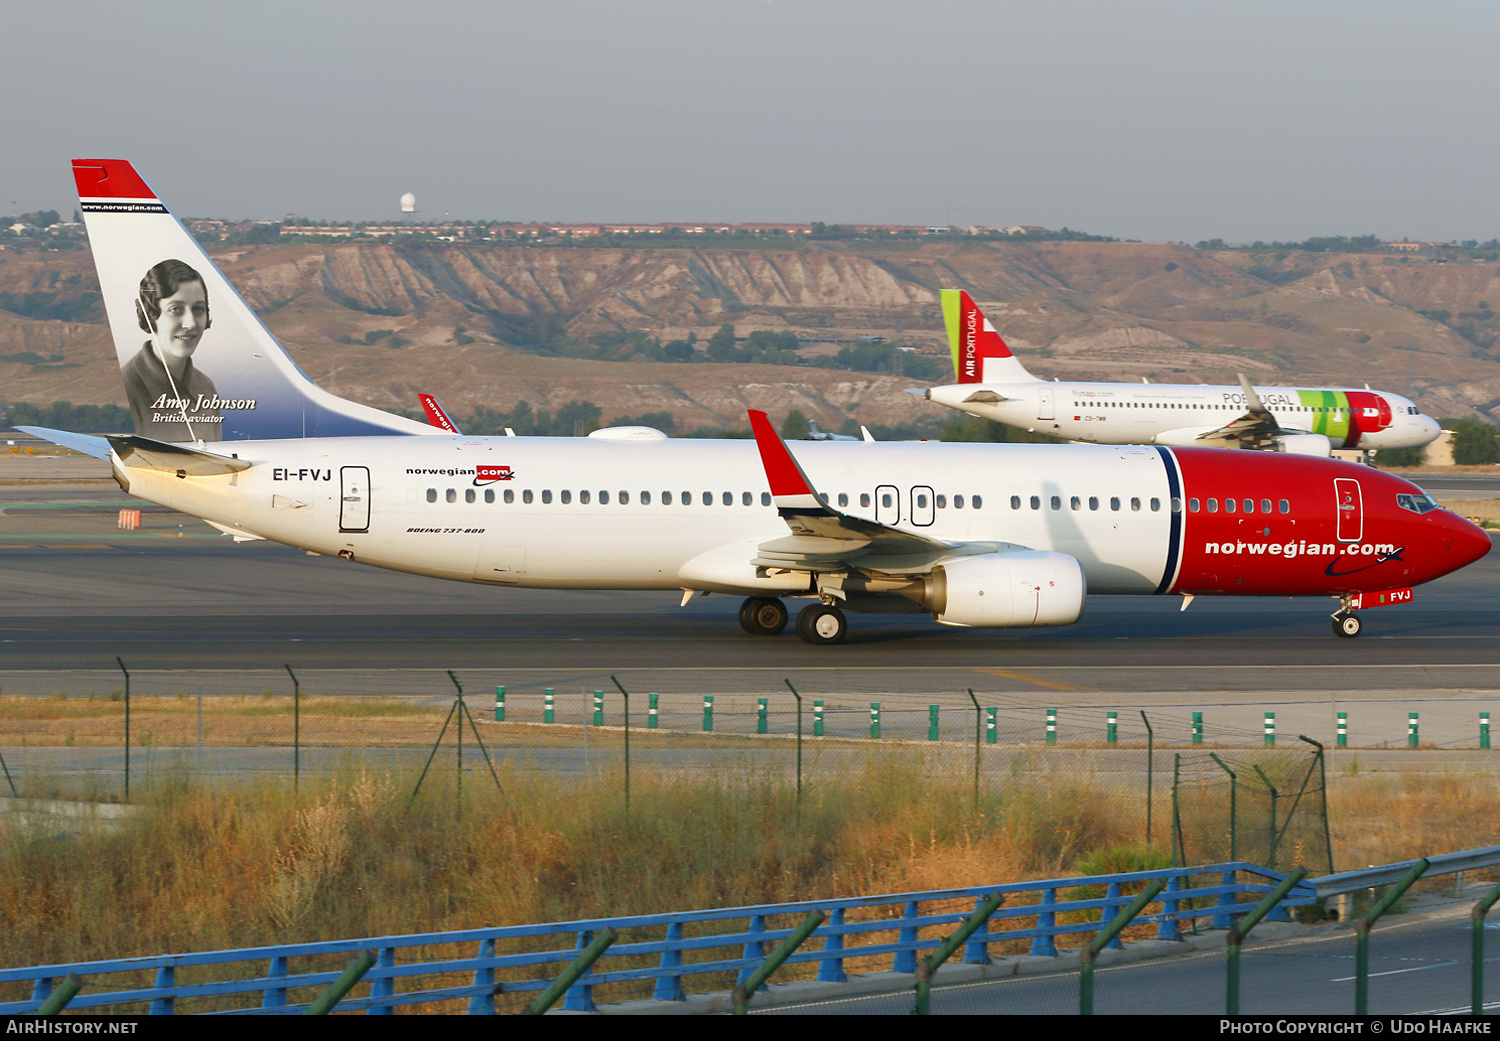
<point>973,534</point>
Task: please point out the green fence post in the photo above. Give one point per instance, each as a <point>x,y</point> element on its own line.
<point>1052,726</point>
<point>989,725</point>
<point>651,711</point>
<point>1197,728</point>
<point>928,967</point>
<point>932,722</point>
<point>549,705</point>
<point>1270,730</point>
<point>499,704</point>
<point>598,708</point>
<point>708,712</point>
<point>1111,728</point>
<point>874,719</point>
<point>1484,730</point>
<point>571,974</point>
<point>1362,936</point>
<point>1477,971</point>
<point>1101,939</point>
<point>743,992</point>
<point>341,986</point>
<point>59,998</point>
<point>1412,740</point>
<point>1241,929</point>
<point>761,725</point>
<point>817,718</point>
<point>1342,736</point>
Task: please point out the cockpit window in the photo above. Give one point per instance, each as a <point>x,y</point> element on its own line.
<point>1416,503</point>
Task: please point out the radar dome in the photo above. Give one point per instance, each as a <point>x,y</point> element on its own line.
<point>408,203</point>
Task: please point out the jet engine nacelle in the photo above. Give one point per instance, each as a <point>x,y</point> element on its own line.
<point>1305,444</point>
<point>1016,590</point>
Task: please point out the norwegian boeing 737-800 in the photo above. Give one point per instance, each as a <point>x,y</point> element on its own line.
<point>993,384</point>
<point>972,534</point>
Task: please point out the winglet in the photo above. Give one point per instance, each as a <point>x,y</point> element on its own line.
<point>790,488</point>
<point>1252,399</point>
<point>435,414</point>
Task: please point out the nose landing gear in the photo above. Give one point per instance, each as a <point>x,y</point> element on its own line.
<point>1346,623</point>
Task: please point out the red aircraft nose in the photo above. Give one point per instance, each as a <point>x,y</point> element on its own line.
<point>1464,541</point>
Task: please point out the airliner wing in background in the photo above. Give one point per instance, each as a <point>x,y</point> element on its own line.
<point>1257,428</point>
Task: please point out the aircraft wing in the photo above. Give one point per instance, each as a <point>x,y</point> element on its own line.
<point>1257,428</point>
<point>823,537</point>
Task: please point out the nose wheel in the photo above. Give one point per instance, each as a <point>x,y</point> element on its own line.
<point>763,616</point>
<point>1347,624</point>
<point>821,624</point>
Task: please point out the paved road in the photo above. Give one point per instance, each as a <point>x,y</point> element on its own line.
<point>1418,965</point>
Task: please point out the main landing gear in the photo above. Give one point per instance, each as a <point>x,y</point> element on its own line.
<point>822,624</point>
<point>816,624</point>
<point>763,616</point>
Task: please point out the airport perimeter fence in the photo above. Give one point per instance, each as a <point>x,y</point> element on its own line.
<point>94,736</point>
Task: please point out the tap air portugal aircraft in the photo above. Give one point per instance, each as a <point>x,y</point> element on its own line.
<point>229,430</point>
<point>993,384</point>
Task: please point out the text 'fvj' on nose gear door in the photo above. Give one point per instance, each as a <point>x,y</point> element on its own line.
<point>354,498</point>
<point>1351,509</point>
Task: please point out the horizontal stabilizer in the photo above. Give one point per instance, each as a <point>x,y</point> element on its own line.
<point>146,454</point>
<point>88,444</point>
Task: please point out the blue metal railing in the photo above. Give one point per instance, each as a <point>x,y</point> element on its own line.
<point>893,926</point>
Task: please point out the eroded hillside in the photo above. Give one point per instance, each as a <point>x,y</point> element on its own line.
<point>1072,310</point>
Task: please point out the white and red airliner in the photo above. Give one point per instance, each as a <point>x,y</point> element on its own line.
<point>972,534</point>
<point>993,384</point>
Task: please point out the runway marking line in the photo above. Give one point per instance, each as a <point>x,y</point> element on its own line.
<point>1007,674</point>
<point>1397,972</point>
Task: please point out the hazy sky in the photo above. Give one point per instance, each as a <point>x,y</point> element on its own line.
<point>1157,120</point>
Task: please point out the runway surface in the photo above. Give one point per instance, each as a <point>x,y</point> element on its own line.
<point>75,592</point>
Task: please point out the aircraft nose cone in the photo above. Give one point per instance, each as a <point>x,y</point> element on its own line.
<point>1466,541</point>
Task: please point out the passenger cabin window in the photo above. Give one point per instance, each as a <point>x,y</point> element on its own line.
<point>1229,506</point>
<point>1192,505</point>
<point>765,498</point>
<point>958,502</point>
<point>1093,502</point>
<point>885,500</point>
<point>921,501</point>
<point>1284,506</point>
<point>510,495</point>
<point>565,496</point>
<point>645,498</point>
<point>451,495</point>
<point>468,495</point>
<point>747,499</point>
<point>526,495</point>
<point>1249,505</point>
<point>1213,506</point>
<point>864,499</point>
<point>1265,506</point>
<point>1076,503</point>
<point>1036,502</point>
<point>583,497</point>
<point>843,498</point>
<point>976,502</point>
<point>1155,505</point>
<point>546,495</point>
<point>1135,503</point>
<point>728,499</point>
<point>1056,502</point>
<point>708,498</point>
<point>1015,502</point>
<point>666,498</point>
<point>1114,502</point>
<point>432,495</point>
<point>687,498</point>
<point>942,502</point>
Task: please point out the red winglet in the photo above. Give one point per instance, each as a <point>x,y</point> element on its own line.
<point>782,472</point>
<point>109,179</point>
<point>435,414</point>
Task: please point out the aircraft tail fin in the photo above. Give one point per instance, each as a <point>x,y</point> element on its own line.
<point>979,354</point>
<point>197,362</point>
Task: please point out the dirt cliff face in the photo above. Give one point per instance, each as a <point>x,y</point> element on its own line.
<point>1073,310</point>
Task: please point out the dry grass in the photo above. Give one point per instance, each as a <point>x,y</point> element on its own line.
<point>257,864</point>
<point>1379,818</point>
